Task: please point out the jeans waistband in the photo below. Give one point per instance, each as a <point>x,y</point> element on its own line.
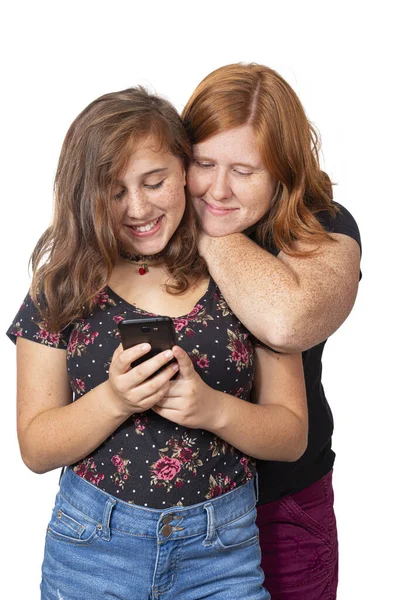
<point>174,522</point>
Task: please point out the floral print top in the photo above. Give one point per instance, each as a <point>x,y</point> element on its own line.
<point>149,460</point>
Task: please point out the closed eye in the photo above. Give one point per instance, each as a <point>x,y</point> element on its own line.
<point>119,195</point>
<point>156,186</point>
<point>203,165</point>
<point>243,173</point>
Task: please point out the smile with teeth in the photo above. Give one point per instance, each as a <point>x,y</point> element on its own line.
<point>148,227</point>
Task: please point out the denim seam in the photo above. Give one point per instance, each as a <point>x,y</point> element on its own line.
<point>174,576</point>
<point>77,509</point>
<point>59,537</point>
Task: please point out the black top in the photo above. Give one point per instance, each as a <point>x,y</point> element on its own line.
<point>149,460</point>
<point>277,479</point>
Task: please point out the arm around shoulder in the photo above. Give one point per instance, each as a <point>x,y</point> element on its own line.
<point>290,303</point>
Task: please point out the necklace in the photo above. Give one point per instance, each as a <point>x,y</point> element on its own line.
<point>139,258</point>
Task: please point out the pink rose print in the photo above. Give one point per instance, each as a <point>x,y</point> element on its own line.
<point>167,468</point>
<point>186,454</point>
<point>241,350</point>
<point>102,299</point>
<point>80,338</point>
<point>43,334</point>
<point>203,362</point>
<point>195,311</point>
<point>122,473</point>
<point>117,319</point>
<point>78,385</point>
<point>87,469</point>
<point>180,324</point>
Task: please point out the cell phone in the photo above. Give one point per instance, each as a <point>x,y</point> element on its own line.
<point>159,332</point>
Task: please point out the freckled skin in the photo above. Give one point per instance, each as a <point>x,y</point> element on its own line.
<point>139,204</point>
<point>228,172</point>
<point>288,302</point>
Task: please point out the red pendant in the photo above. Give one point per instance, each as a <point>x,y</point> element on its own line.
<point>143,269</point>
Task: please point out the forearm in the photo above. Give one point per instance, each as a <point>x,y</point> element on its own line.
<point>266,432</point>
<point>290,303</point>
<point>62,436</point>
<point>260,289</point>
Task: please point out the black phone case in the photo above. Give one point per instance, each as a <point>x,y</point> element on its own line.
<point>159,332</point>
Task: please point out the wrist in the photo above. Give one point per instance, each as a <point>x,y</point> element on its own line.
<point>113,405</point>
<point>219,412</point>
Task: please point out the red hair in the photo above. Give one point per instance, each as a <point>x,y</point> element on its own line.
<point>255,95</point>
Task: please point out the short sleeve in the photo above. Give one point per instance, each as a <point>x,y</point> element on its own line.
<point>29,324</point>
<point>342,222</point>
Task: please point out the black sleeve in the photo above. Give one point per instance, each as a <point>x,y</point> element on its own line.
<point>29,324</point>
<point>341,222</point>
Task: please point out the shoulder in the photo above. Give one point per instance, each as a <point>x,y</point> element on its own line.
<point>341,222</point>
<point>29,324</point>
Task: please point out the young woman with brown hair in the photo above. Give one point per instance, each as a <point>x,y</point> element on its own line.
<point>158,497</point>
<point>286,258</point>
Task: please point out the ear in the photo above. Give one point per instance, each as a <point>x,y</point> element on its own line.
<point>184,176</point>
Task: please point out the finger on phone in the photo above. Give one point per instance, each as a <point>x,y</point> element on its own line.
<point>149,368</point>
<point>128,356</point>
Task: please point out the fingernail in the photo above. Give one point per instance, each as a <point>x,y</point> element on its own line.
<point>146,347</point>
<point>168,354</point>
<point>175,366</point>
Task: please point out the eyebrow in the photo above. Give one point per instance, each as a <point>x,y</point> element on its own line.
<point>146,174</point>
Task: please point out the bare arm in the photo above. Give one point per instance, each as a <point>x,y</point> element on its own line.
<point>274,427</point>
<point>53,431</point>
<point>287,302</point>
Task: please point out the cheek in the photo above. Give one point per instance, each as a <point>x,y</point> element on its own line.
<point>195,181</point>
<point>175,199</point>
<point>257,199</point>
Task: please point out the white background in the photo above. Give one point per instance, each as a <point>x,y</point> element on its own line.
<point>340,59</point>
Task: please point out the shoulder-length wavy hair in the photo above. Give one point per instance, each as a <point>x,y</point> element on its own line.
<point>75,256</point>
<point>255,95</point>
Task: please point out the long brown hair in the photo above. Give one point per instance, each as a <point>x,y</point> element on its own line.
<point>255,95</point>
<point>75,256</point>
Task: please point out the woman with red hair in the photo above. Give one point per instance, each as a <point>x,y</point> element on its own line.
<point>287,259</point>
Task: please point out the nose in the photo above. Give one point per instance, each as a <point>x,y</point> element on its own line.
<point>138,206</point>
<point>220,188</point>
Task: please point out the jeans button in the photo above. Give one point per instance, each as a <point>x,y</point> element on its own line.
<point>166,530</point>
<point>167,519</point>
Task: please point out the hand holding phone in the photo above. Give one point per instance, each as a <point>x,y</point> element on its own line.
<point>148,341</point>
<point>159,332</point>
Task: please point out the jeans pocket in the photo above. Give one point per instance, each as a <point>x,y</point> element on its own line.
<point>240,533</point>
<point>68,524</point>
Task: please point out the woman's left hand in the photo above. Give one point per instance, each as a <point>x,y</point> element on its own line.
<point>189,401</point>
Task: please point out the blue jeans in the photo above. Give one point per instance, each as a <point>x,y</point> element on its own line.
<point>100,547</point>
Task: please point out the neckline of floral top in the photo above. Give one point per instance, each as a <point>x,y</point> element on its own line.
<point>211,288</point>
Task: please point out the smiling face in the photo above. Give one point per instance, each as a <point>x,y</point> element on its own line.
<point>149,199</point>
<point>230,187</point>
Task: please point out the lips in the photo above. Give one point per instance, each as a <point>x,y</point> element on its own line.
<point>218,210</point>
<point>148,229</point>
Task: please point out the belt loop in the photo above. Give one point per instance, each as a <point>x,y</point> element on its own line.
<point>256,486</point>
<point>63,469</point>
<point>107,518</point>
<point>210,524</point>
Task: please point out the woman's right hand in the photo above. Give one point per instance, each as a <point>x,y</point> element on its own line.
<point>132,389</point>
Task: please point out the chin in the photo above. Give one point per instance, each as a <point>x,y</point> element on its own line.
<point>219,230</point>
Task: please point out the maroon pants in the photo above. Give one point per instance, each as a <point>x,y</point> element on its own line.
<point>299,544</point>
